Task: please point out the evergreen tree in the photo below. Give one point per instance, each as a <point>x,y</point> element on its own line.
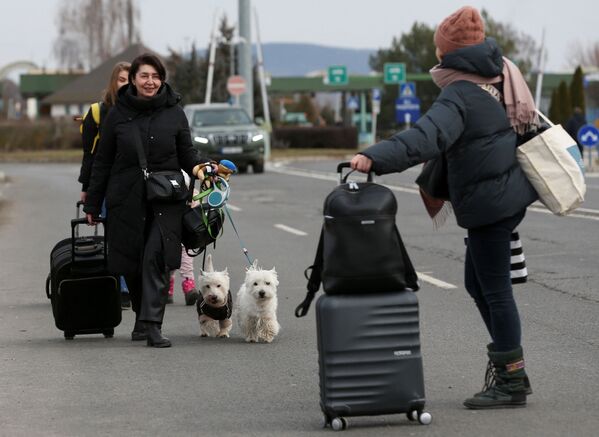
<point>554,105</point>
<point>515,45</point>
<point>416,49</point>
<point>565,103</point>
<point>186,75</point>
<point>577,90</point>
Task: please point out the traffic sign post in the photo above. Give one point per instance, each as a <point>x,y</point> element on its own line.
<point>588,136</point>
<point>407,89</point>
<point>337,75</point>
<point>394,73</point>
<point>236,86</point>
<point>407,110</point>
<point>376,108</point>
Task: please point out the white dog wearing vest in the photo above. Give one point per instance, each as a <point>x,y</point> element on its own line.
<point>215,304</point>
<point>257,305</point>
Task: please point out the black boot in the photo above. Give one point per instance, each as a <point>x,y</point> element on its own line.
<point>139,331</point>
<point>505,386</point>
<point>490,375</point>
<point>155,337</point>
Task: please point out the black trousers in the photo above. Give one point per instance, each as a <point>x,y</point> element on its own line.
<point>149,288</point>
<point>487,278</point>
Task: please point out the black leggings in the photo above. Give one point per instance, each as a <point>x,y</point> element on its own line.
<point>487,279</point>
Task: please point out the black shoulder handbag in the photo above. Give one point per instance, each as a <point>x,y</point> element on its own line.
<point>161,186</point>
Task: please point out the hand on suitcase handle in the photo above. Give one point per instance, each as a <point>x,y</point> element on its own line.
<point>361,163</point>
<point>91,220</point>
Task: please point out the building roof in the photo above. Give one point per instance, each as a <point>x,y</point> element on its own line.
<point>45,83</point>
<point>290,85</point>
<point>88,88</point>
<point>284,85</point>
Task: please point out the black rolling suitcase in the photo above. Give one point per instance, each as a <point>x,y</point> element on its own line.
<point>85,297</point>
<point>369,356</point>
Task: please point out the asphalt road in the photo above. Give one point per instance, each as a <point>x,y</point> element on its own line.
<point>224,387</point>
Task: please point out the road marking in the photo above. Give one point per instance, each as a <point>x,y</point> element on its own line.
<point>234,208</point>
<point>582,213</point>
<point>290,230</point>
<point>434,281</point>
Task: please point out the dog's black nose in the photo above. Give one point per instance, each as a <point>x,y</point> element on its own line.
<point>261,293</point>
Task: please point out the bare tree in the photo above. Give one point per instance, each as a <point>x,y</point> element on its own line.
<point>587,56</point>
<point>92,31</point>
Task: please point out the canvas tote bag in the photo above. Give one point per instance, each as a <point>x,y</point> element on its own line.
<point>554,167</point>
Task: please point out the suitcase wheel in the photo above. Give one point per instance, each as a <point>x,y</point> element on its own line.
<point>339,424</point>
<point>425,418</point>
<point>69,335</point>
<point>109,333</point>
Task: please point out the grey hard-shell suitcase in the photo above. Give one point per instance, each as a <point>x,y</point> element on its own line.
<point>369,356</point>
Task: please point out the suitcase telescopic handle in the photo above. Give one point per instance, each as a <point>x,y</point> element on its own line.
<point>346,164</point>
<point>81,203</point>
<point>75,223</point>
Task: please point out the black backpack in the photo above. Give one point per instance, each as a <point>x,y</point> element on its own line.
<point>360,250</point>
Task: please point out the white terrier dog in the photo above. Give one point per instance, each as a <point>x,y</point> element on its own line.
<point>215,305</point>
<point>257,304</point>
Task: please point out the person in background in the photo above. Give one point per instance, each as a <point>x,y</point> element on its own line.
<point>90,136</point>
<point>188,286</point>
<point>144,237</point>
<point>483,107</point>
<point>573,126</point>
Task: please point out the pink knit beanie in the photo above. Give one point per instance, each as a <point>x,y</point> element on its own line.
<point>463,28</point>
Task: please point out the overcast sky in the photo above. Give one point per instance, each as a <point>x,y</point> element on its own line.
<point>29,26</point>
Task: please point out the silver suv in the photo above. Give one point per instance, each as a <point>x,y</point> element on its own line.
<point>221,131</point>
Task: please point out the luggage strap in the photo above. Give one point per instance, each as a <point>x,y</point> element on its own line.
<point>313,280</point>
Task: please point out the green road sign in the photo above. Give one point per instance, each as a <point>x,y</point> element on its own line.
<point>337,75</point>
<point>395,72</point>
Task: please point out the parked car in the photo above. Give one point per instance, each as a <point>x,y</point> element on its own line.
<point>221,131</point>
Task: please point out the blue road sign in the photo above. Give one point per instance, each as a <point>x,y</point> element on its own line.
<point>588,135</point>
<point>407,109</point>
<point>353,103</point>
<point>407,89</point>
<point>376,94</point>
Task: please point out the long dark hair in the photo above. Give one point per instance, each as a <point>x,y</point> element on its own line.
<point>147,59</point>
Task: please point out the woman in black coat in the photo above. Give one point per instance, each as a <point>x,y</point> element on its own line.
<point>474,124</point>
<point>144,238</point>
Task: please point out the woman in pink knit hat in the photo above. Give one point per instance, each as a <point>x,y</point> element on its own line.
<point>483,112</point>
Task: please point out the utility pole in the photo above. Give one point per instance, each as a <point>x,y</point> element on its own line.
<point>540,67</point>
<point>211,57</point>
<point>130,30</point>
<point>245,55</point>
<point>262,76</point>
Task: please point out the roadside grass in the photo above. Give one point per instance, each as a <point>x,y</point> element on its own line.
<point>66,155</point>
<point>74,155</point>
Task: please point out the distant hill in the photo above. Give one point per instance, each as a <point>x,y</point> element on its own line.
<point>297,59</point>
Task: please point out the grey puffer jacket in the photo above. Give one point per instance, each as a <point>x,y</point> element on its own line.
<point>467,124</point>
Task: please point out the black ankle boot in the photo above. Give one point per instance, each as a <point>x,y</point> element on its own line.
<point>155,337</point>
<point>139,331</point>
<point>490,375</point>
<point>506,388</point>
